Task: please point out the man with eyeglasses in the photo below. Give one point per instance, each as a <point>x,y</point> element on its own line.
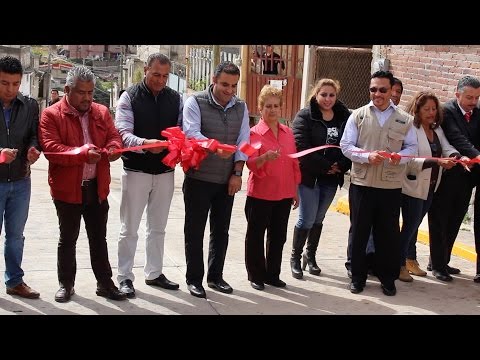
<point>375,137</point>
<point>397,91</point>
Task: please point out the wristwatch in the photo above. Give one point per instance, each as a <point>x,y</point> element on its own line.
<point>237,173</point>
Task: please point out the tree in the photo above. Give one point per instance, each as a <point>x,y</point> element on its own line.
<point>137,76</point>
<point>102,92</point>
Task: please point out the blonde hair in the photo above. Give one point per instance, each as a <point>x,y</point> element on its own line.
<point>268,91</point>
<point>321,83</point>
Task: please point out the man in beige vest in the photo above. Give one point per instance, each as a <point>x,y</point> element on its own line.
<point>371,133</point>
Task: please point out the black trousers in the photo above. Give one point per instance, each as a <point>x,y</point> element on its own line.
<point>95,216</point>
<point>271,216</point>
<point>376,210</point>
<point>202,198</point>
<point>449,206</point>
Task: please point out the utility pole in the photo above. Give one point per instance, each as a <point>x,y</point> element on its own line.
<point>47,81</point>
<point>111,95</point>
<point>120,87</point>
<point>216,58</point>
<point>187,66</point>
<point>245,58</point>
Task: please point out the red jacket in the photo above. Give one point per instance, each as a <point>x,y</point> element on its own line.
<point>60,130</point>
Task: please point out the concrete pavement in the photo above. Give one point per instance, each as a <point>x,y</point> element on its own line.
<point>324,294</point>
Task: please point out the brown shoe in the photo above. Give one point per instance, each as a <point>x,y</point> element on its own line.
<point>404,275</point>
<point>23,290</point>
<point>414,269</point>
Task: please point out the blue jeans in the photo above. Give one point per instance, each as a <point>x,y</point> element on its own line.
<point>413,211</point>
<point>314,204</point>
<point>14,204</point>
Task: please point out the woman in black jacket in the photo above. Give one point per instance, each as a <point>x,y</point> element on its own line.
<point>320,123</point>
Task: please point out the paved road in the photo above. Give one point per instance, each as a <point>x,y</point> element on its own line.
<point>324,294</point>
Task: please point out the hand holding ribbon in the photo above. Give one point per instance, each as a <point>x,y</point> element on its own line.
<point>94,155</point>
<point>393,158</point>
<point>7,155</point>
<point>154,149</point>
<point>112,155</point>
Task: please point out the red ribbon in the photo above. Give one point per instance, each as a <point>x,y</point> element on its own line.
<point>248,149</point>
<point>308,151</point>
<point>3,158</point>
<point>386,154</point>
<point>190,152</point>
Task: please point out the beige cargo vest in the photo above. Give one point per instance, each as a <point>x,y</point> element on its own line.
<point>371,136</point>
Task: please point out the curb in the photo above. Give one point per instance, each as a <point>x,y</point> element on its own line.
<point>459,249</point>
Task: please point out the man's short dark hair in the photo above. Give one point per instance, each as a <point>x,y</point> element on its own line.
<point>397,81</point>
<point>10,65</point>
<point>227,67</point>
<point>385,75</point>
<point>161,58</point>
<point>54,90</point>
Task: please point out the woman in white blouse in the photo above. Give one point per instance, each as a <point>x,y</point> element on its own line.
<point>422,176</point>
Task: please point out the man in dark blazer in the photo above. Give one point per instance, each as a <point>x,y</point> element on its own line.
<point>461,125</point>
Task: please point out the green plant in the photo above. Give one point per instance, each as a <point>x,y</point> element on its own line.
<point>38,50</point>
<point>137,76</point>
<point>198,85</point>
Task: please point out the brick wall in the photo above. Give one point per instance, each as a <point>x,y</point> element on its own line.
<point>434,67</point>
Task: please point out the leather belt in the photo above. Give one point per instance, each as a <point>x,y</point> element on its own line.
<point>88,182</point>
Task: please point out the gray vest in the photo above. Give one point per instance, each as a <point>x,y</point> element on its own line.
<point>222,125</point>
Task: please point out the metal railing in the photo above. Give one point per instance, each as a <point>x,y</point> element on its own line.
<point>200,66</point>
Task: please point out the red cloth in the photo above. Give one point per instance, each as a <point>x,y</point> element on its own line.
<point>467,116</point>
<point>277,179</point>
<point>59,131</point>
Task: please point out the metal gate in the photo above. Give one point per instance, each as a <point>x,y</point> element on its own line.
<point>283,71</point>
<point>351,67</point>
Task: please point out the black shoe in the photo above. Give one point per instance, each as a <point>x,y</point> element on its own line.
<point>477,278</point>
<point>452,270</point>
<point>197,290</point>
<point>63,294</point>
<point>257,285</point>
<point>389,290</point>
<point>355,287</point>
<point>111,292</point>
<point>220,285</point>
<point>442,275</point>
<point>349,273</point>
<point>429,267</point>
<point>163,282</point>
<point>276,283</point>
<point>126,286</point>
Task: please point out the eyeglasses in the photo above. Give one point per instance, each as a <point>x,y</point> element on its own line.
<point>382,90</point>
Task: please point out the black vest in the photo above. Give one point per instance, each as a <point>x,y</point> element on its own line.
<point>151,116</point>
